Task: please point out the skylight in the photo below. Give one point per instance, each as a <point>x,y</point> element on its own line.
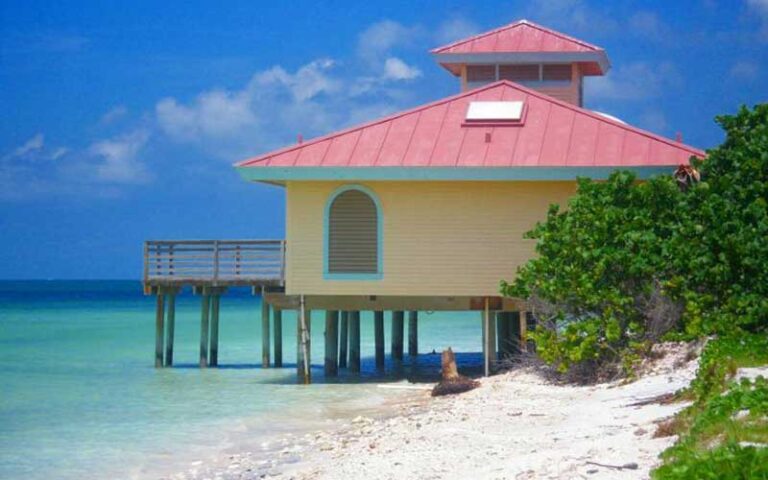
<point>495,112</point>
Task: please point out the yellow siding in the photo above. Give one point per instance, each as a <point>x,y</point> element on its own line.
<point>439,238</point>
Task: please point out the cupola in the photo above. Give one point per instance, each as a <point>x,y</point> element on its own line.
<point>525,53</point>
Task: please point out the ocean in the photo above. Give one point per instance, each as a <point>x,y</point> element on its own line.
<point>80,398</point>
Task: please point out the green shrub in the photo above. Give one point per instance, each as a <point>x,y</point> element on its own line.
<point>729,461</point>
<point>713,429</point>
<point>598,270</point>
<point>629,261</point>
<point>720,250</point>
<point>721,358</point>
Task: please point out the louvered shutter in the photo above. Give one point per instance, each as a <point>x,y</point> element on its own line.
<point>478,75</point>
<point>560,73</point>
<point>353,234</point>
<point>519,73</point>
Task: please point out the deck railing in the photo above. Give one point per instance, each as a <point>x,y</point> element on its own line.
<point>214,262</point>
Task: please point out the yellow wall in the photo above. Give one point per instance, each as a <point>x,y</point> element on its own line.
<point>439,238</point>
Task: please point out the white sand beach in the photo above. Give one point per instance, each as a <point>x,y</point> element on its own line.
<point>517,425</point>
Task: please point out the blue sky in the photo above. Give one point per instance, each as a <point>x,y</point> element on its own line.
<point>120,119</point>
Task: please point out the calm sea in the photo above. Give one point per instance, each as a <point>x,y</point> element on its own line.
<point>79,397</point>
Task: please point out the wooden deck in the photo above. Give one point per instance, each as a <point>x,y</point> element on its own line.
<point>213,263</point>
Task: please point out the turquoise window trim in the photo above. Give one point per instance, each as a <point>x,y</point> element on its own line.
<point>278,174</point>
<point>326,231</point>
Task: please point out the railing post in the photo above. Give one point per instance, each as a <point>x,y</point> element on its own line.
<point>237,260</point>
<point>146,263</point>
<point>170,259</point>
<point>215,261</point>
<point>282,262</point>
<point>158,261</point>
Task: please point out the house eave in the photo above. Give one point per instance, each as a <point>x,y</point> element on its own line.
<point>281,174</point>
<point>597,57</point>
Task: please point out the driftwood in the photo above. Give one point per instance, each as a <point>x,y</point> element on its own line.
<point>626,466</point>
<point>663,399</point>
<point>452,382</point>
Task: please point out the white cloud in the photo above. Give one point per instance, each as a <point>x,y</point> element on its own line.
<point>381,37</point>
<point>33,145</point>
<point>648,25</point>
<point>760,7</point>
<point>216,113</point>
<point>375,47</point>
<point>455,29</point>
<point>117,158</point>
<point>310,80</point>
<point>574,15</point>
<point>113,115</point>
<point>58,153</point>
<point>277,104</point>
<point>635,81</point>
<point>744,70</point>
<point>95,170</point>
<point>396,69</point>
<point>231,123</point>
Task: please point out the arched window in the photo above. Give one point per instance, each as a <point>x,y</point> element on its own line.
<point>353,234</point>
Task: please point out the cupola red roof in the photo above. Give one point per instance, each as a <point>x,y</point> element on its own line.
<point>551,134</point>
<point>520,40</point>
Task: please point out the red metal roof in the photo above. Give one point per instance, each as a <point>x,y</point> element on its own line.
<point>523,38</point>
<point>553,134</point>
<point>520,36</point>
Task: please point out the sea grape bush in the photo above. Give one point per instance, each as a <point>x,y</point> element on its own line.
<point>629,261</point>
<point>722,247</point>
<point>720,433</point>
<point>723,437</point>
<point>597,263</point>
<point>721,358</point>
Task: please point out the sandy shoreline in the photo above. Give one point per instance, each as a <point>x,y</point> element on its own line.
<point>515,426</point>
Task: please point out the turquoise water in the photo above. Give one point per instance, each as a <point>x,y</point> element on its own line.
<point>81,399</point>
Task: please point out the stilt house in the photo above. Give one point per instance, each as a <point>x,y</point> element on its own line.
<point>426,209</point>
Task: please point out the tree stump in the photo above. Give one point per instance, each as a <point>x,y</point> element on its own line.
<point>452,381</point>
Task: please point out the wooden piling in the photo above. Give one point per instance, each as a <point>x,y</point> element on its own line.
<point>159,329</point>
<point>398,325</point>
<point>413,334</point>
<point>500,333</point>
<point>489,338</point>
<point>171,327</point>
<point>354,341</point>
<point>214,351</point>
<point>343,340</point>
<point>378,334</point>
<point>264,332</point>
<point>304,344</point>
<point>331,343</point>
<point>205,309</point>
<point>277,316</point>
<point>485,322</point>
<point>492,344</point>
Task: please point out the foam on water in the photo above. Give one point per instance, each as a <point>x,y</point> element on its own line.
<point>80,398</point>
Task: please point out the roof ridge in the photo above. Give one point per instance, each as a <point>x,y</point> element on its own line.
<point>515,24</point>
<point>562,35</point>
<point>361,126</point>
